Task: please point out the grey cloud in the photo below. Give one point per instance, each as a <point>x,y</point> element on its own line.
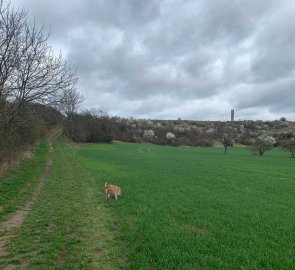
<point>66,15</point>
<point>278,97</point>
<point>235,19</point>
<point>178,58</point>
<point>275,58</point>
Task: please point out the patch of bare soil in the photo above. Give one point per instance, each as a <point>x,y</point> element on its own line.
<point>197,230</point>
<point>98,254</point>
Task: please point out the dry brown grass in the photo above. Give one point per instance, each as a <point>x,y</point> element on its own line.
<point>15,158</point>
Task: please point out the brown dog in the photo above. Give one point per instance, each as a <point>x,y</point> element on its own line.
<point>111,190</point>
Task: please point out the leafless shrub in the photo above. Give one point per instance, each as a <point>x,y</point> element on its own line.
<point>289,146</point>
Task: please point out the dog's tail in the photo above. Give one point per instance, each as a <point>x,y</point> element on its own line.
<point>106,184</point>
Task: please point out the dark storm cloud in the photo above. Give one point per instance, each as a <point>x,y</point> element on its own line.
<point>178,58</point>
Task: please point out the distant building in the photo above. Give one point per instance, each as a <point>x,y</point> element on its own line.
<point>232,114</point>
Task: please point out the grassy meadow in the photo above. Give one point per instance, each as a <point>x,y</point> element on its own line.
<point>196,208</point>
<point>181,208</point>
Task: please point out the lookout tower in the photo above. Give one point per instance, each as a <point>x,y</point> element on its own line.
<point>232,115</point>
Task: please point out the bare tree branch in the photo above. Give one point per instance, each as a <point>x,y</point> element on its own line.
<point>30,72</point>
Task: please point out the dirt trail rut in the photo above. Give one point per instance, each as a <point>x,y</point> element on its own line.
<point>16,219</point>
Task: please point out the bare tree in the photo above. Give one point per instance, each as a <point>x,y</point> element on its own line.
<point>30,73</point>
<point>40,74</point>
<point>12,23</point>
<point>289,146</point>
<point>29,70</point>
<point>68,103</point>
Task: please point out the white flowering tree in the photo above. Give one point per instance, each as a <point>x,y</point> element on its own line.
<point>225,133</point>
<point>149,135</point>
<point>227,141</point>
<point>263,143</point>
<point>170,137</point>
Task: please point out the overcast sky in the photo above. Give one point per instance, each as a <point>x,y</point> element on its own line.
<point>165,59</point>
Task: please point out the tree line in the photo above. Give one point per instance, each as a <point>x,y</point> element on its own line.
<point>96,126</point>
<point>33,80</point>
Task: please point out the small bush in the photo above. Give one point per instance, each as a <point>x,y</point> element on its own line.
<point>289,146</point>
<point>263,143</point>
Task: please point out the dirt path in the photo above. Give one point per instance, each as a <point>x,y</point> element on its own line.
<point>16,219</point>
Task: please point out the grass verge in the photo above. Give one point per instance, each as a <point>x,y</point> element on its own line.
<point>68,227</point>
<point>17,186</point>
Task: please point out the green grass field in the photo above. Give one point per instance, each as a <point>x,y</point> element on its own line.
<point>196,208</point>
<point>181,208</point>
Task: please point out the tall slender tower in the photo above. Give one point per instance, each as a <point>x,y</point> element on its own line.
<point>232,114</point>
